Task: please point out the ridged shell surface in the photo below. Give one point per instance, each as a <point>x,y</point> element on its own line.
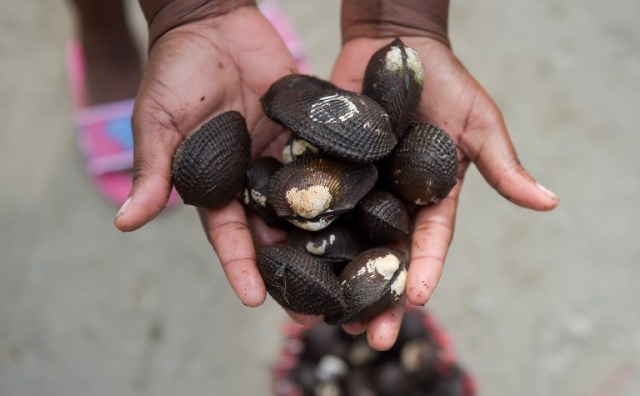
<point>336,243</point>
<point>373,282</point>
<point>256,189</point>
<point>300,282</point>
<point>382,216</point>
<point>394,78</point>
<point>209,167</point>
<point>341,123</point>
<point>423,168</point>
<point>312,191</point>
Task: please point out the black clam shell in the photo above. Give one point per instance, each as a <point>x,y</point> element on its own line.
<point>336,245</point>
<point>313,191</point>
<point>423,167</point>
<point>418,366</point>
<point>300,282</point>
<point>256,188</point>
<point>394,78</point>
<point>390,379</point>
<point>382,216</point>
<point>322,340</point>
<point>209,167</point>
<point>343,124</point>
<point>373,282</point>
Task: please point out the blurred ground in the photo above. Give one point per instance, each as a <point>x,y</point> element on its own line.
<point>538,304</point>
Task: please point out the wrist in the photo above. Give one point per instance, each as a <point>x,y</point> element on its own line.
<point>391,18</point>
<point>164,15</point>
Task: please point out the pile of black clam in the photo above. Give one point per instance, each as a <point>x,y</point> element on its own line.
<point>324,361</point>
<point>355,167</point>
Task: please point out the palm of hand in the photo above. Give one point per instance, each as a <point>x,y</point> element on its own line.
<point>455,101</point>
<point>204,68</point>
<point>194,72</point>
<point>201,69</point>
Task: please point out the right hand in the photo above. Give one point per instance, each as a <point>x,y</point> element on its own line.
<point>194,72</point>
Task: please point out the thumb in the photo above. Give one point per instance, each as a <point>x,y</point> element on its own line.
<point>486,142</point>
<point>156,140</point>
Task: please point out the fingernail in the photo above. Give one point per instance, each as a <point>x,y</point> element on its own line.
<point>124,207</point>
<point>547,191</point>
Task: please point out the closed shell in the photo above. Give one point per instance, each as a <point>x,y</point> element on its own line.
<point>300,282</point>
<point>256,188</point>
<point>373,282</point>
<point>343,124</point>
<point>209,167</point>
<point>394,78</point>
<point>382,216</point>
<point>336,244</point>
<point>313,191</point>
<point>423,168</point>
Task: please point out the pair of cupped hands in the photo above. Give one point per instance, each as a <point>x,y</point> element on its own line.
<point>208,66</point>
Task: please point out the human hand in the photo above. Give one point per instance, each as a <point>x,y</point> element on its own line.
<point>198,69</point>
<point>455,101</point>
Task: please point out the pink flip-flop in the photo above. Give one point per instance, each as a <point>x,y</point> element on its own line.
<point>104,135</point>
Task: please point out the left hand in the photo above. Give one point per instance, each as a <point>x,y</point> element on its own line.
<point>455,101</point>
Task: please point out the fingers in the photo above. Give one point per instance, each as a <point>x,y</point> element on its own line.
<point>430,242</point>
<point>176,95</point>
<point>382,331</point>
<point>305,320</point>
<point>487,143</point>
<point>263,234</point>
<point>228,233</point>
<point>153,153</point>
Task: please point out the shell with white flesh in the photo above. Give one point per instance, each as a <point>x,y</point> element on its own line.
<point>394,78</point>
<point>313,191</point>
<point>373,282</point>
<point>256,188</point>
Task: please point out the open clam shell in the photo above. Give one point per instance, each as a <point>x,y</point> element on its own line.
<point>256,188</point>
<point>299,281</point>
<point>313,191</point>
<point>394,78</point>
<point>343,124</point>
<point>423,167</point>
<point>373,282</point>
<point>209,167</point>
<point>382,216</point>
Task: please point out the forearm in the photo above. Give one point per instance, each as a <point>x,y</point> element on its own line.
<point>164,15</point>
<point>390,18</point>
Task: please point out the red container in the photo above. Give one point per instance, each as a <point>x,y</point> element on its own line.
<point>323,360</point>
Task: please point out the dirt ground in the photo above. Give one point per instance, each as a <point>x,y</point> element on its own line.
<point>536,303</point>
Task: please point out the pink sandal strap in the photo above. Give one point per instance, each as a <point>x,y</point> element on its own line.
<point>105,136</point>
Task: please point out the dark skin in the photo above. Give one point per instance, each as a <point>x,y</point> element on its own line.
<point>112,61</point>
<point>201,69</point>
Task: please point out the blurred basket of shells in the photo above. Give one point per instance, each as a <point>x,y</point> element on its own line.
<point>325,361</point>
<point>355,169</point>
